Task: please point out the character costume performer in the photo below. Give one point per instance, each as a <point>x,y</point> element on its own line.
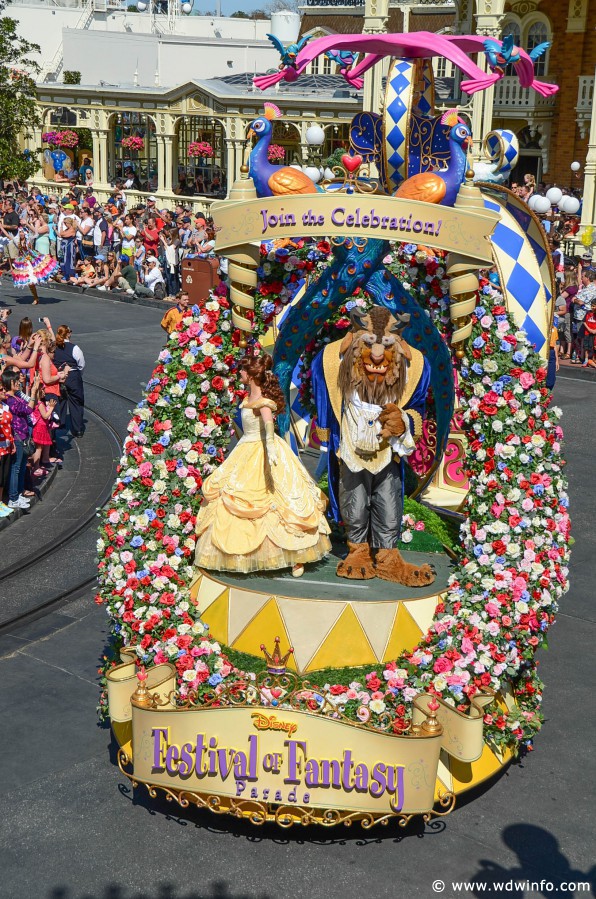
<point>370,391</point>
<point>262,509</point>
<point>31,268</point>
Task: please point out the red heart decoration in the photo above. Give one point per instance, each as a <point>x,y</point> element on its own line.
<point>351,163</point>
<point>276,692</point>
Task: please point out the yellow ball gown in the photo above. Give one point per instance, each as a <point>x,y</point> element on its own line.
<point>257,516</point>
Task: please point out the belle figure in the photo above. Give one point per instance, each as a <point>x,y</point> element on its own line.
<point>262,509</point>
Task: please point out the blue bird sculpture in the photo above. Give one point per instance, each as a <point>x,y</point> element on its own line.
<point>344,58</point>
<point>501,55</point>
<point>442,187</point>
<point>288,54</point>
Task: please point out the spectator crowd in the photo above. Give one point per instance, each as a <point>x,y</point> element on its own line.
<point>110,247</point>
<point>40,382</point>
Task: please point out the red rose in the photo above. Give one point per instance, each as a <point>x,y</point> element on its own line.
<point>337,690</point>
<point>218,383</point>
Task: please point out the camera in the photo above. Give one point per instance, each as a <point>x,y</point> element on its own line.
<point>41,321</point>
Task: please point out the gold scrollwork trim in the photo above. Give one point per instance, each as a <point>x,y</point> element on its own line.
<point>285,816</point>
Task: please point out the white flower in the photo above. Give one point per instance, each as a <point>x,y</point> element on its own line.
<point>497,425</point>
<point>375,705</point>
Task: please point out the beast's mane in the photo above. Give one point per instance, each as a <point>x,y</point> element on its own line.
<point>351,372</point>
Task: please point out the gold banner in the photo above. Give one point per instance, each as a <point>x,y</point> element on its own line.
<point>455,229</point>
<point>286,757</point>
<point>463,736</point>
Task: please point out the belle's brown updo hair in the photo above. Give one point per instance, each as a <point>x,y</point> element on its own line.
<point>259,369</point>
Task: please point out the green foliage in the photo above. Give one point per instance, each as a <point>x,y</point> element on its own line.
<point>335,158</point>
<point>85,139</point>
<point>243,661</point>
<point>239,14</point>
<point>72,77</point>
<point>18,110</point>
<point>433,523</point>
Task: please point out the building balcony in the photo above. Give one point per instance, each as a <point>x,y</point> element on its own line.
<point>585,101</point>
<point>514,100</point>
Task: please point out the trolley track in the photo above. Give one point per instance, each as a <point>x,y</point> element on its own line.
<point>67,538</point>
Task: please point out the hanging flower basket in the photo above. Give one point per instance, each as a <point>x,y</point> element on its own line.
<point>200,148</point>
<point>61,138</point>
<point>68,139</point>
<point>133,143</point>
<point>276,153</point>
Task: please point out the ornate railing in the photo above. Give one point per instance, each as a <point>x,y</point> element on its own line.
<point>510,95</point>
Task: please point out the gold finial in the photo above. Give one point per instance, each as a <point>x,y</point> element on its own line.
<point>244,171</point>
<point>431,725</point>
<point>276,663</point>
<point>141,695</point>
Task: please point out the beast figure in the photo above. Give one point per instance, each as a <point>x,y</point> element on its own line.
<point>370,391</point>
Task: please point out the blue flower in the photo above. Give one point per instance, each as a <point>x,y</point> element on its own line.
<point>501,466</point>
<point>465,371</point>
<point>194,350</point>
<point>505,379</point>
<point>127,480</point>
<point>143,573</point>
<point>500,560</point>
<point>211,451</point>
<point>142,426</point>
<point>136,541</point>
<point>519,357</point>
<point>538,489</point>
<point>281,253</point>
<point>477,368</point>
<point>196,310</point>
<point>182,384</point>
<point>506,347</point>
<point>178,551</point>
<point>181,652</point>
<point>164,440</point>
<point>479,311</point>
<point>215,679</point>
<point>498,387</point>
<point>478,343</point>
<point>410,248</point>
<point>150,514</point>
<point>477,551</point>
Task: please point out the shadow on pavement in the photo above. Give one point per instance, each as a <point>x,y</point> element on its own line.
<point>218,889</point>
<point>541,871</point>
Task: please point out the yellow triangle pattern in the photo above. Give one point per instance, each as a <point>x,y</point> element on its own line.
<point>194,588</point>
<point>209,591</point>
<point>346,639</point>
<point>308,625</point>
<point>216,616</point>
<point>263,628</point>
<point>377,620</point>
<point>243,608</point>
<point>405,634</point>
<point>423,611</point>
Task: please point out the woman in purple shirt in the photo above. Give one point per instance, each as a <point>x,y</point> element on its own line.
<point>20,407</point>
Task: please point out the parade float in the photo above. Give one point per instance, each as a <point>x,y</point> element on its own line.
<point>346,695</point>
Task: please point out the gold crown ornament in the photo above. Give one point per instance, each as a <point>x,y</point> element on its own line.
<point>276,663</point>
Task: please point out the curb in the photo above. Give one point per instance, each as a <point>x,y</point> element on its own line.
<point>39,493</point>
<point>119,296</point>
<point>576,373</point>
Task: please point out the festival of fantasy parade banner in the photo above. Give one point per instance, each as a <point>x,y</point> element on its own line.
<point>284,756</point>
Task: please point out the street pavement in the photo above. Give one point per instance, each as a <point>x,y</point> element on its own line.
<point>72,828</point>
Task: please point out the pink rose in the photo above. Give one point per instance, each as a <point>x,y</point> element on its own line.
<point>145,469</point>
<point>526,380</point>
<point>442,665</point>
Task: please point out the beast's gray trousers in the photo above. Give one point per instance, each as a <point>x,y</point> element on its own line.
<point>371,505</point>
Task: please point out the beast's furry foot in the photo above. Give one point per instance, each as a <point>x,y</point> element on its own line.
<point>392,567</point>
<point>358,564</point>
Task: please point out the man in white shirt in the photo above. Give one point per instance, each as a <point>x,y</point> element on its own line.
<point>154,285</point>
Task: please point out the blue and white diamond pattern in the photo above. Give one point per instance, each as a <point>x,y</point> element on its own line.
<point>426,104</point>
<point>502,145</point>
<point>398,95</point>
<point>520,272</point>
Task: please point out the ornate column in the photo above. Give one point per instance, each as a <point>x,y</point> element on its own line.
<point>376,14</point>
<point>489,17</point>
<point>463,277</point>
<point>168,162</point>
<point>589,202</point>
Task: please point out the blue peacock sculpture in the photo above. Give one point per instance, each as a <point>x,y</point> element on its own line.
<point>273,180</point>
<point>442,187</point>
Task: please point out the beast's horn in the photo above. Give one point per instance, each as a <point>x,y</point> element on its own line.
<point>401,322</point>
<point>360,320</point>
